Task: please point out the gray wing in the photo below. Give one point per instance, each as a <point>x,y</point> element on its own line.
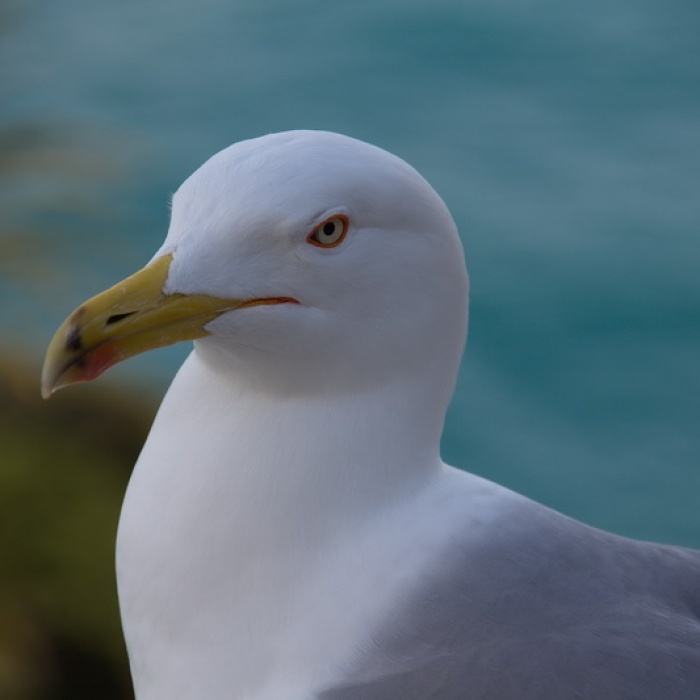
<point>550,610</point>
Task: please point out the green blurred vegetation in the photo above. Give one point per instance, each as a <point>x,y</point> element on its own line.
<point>64,465</point>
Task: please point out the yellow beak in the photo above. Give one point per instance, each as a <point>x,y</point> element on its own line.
<point>133,316</point>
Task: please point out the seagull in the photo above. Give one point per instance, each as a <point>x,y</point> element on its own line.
<point>290,531</point>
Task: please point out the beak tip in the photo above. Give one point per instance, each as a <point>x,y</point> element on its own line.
<point>48,383</point>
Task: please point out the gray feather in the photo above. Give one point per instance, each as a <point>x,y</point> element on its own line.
<point>545,609</point>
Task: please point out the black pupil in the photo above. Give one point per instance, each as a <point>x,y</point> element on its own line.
<point>328,228</point>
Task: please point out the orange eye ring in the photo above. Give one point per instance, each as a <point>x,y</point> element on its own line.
<point>330,232</point>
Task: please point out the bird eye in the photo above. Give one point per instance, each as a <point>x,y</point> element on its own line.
<point>329,233</point>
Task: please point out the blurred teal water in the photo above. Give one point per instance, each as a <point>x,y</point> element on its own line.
<point>564,137</point>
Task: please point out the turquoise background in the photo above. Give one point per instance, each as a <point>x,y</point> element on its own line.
<point>565,138</point>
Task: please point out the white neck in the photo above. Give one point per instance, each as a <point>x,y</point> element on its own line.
<point>236,495</point>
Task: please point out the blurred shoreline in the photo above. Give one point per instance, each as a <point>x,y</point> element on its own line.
<point>64,466</point>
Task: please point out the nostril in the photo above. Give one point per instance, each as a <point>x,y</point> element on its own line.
<point>118,317</point>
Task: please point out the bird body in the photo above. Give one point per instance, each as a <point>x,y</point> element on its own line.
<point>290,530</point>
<point>303,569</point>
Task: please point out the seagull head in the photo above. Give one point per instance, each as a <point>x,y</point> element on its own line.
<point>302,259</point>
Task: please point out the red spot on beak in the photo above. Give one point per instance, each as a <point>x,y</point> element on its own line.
<point>96,361</point>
